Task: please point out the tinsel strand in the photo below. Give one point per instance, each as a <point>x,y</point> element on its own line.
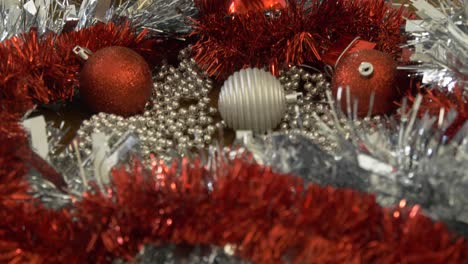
<point>265,216</point>
<point>44,69</point>
<point>296,34</point>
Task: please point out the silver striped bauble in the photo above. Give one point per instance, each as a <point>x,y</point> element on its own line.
<point>252,99</point>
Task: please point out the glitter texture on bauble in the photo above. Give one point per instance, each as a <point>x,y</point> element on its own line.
<point>116,80</point>
<point>367,73</point>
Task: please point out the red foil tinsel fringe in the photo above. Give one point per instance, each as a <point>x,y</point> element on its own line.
<point>270,218</point>
<point>44,69</point>
<point>298,33</point>
<point>434,100</point>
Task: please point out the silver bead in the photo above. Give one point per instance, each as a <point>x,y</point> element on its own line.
<point>175,105</point>
<point>161,142</point>
<point>201,105</point>
<point>308,86</point>
<point>185,91</point>
<point>321,84</point>
<point>169,122</point>
<point>173,115</point>
<point>183,140</point>
<point>182,147</point>
<point>220,125</point>
<point>203,120</point>
<point>183,111</point>
<point>172,128</point>
<point>204,91</point>
<point>180,126</point>
<point>191,121</point>
<point>210,129</point>
<point>295,85</point>
<point>169,143</point>
<point>151,123</point>
<point>178,134</point>
<point>192,109</point>
<point>288,86</point>
<point>198,132</point>
<point>207,139</point>
<point>212,110</point>
<point>198,141</point>
<point>176,96</point>
<point>206,100</point>
<point>293,124</point>
<point>296,77</point>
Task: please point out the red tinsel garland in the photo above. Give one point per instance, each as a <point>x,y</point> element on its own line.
<point>44,69</point>
<point>269,217</point>
<point>298,34</point>
<point>434,100</point>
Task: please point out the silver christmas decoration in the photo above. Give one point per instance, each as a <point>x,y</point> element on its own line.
<point>170,125</point>
<point>440,43</point>
<point>252,99</point>
<point>167,16</point>
<point>299,117</point>
<point>411,158</point>
<point>409,161</point>
<point>173,254</point>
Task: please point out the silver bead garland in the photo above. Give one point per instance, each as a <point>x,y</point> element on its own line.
<point>300,117</point>
<point>178,117</point>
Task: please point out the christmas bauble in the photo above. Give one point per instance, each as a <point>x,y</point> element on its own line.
<point>245,6</point>
<point>252,99</point>
<point>367,72</point>
<point>116,80</point>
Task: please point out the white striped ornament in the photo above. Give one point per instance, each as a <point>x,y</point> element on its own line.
<point>252,99</point>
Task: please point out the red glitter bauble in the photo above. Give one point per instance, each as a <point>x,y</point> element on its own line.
<point>366,72</point>
<point>116,80</point>
<point>245,6</point>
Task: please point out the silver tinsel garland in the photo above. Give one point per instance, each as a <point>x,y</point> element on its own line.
<point>440,42</point>
<point>410,160</point>
<point>173,254</point>
<point>168,16</point>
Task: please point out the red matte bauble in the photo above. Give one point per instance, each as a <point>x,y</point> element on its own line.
<point>366,72</point>
<point>245,6</point>
<point>116,80</point>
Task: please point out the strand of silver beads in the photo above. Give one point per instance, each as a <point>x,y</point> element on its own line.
<point>299,117</point>
<point>177,119</point>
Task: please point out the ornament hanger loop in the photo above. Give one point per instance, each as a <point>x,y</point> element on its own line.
<point>366,69</point>
<point>83,53</point>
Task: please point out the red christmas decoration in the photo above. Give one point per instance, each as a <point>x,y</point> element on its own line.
<point>116,80</point>
<point>275,216</point>
<point>42,70</point>
<point>367,72</point>
<point>245,6</point>
<point>301,32</point>
<point>434,100</point>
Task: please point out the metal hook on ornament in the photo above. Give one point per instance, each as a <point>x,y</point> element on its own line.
<point>83,53</point>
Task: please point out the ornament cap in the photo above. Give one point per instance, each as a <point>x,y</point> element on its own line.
<point>292,98</point>
<point>366,69</point>
<point>83,53</point>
